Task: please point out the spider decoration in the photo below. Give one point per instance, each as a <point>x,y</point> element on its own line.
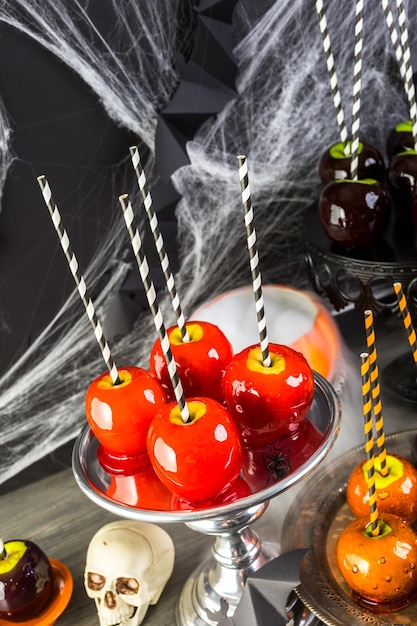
<point>277,463</point>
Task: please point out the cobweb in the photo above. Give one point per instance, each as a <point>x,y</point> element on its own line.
<point>282,118</point>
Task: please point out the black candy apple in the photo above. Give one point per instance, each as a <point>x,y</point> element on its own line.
<point>403,180</point>
<point>335,164</point>
<point>400,139</point>
<point>353,213</point>
<point>25,580</point>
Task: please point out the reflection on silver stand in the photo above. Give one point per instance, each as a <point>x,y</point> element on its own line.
<point>215,588</point>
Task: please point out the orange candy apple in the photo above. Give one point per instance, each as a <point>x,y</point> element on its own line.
<point>268,402</point>
<point>200,362</point>
<point>198,459</point>
<point>119,416</point>
<point>396,492</point>
<point>380,570</point>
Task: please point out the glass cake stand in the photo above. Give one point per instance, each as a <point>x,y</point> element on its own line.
<point>214,589</point>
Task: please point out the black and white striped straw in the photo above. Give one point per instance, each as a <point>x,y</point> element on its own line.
<point>159,242</point>
<point>389,20</point>
<point>154,306</point>
<point>407,70</point>
<point>79,280</point>
<point>334,86</point>
<point>254,260</point>
<point>357,80</point>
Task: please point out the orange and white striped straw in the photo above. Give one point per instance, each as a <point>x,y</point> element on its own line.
<point>406,317</point>
<point>369,442</point>
<point>376,392</point>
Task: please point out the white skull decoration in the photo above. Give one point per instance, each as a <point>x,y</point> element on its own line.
<point>127,567</point>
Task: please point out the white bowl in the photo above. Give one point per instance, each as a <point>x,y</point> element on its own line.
<point>295,318</point>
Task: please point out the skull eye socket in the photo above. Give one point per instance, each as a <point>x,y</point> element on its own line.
<point>95,582</point>
<point>127,586</point>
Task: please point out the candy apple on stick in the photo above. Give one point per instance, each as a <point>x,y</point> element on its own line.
<point>120,415</point>
<point>380,568</point>
<point>400,139</point>
<point>403,179</point>
<point>353,213</point>
<point>335,163</point>
<point>200,361</point>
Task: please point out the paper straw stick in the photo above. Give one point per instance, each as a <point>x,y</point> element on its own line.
<point>376,392</point>
<point>159,242</point>
<point>369,443</point>
<point>79,280</point>
<point>389,19</point>
<point>406,317</point>
<point>408,70</point>
<point>153,305</point>
<point>337,101</point>
<point>3,551</point>
<point>357,79</point>
<point>254,260</point>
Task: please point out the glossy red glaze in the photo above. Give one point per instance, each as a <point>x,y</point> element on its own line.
<point>396,492</point>
<point>143,490</point>
<point>119,415</point>
<point>196,460</point>
<point>353,213</point>
<point>200,362</point>
<point>380,570</point>
<point>267,403</point>
<point>334,165</point>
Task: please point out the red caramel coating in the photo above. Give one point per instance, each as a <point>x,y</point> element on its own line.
<point>396,493</point>
<point>268,402</point>
<point>381,570</point>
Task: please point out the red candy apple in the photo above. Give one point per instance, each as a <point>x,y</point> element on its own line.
<point>198,459</point>
<point>380,570</point>
<point>335,165</point>
<point>119,416</point>
<point>268,402</point>
<point>200,362</point>
<point>353,213</point>
<point>25,580</point>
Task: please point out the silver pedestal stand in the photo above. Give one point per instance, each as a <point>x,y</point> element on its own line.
<point>214,589</point>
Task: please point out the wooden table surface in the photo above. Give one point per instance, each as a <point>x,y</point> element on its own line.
<point>54,513</point>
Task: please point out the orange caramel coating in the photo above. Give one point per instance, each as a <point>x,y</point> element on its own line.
<point>380,570</point>
<point>396,492</point>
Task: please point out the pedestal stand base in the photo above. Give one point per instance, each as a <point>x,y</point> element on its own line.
<point>214,590</point>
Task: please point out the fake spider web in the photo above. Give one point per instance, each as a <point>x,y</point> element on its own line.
<point>282,118</point>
